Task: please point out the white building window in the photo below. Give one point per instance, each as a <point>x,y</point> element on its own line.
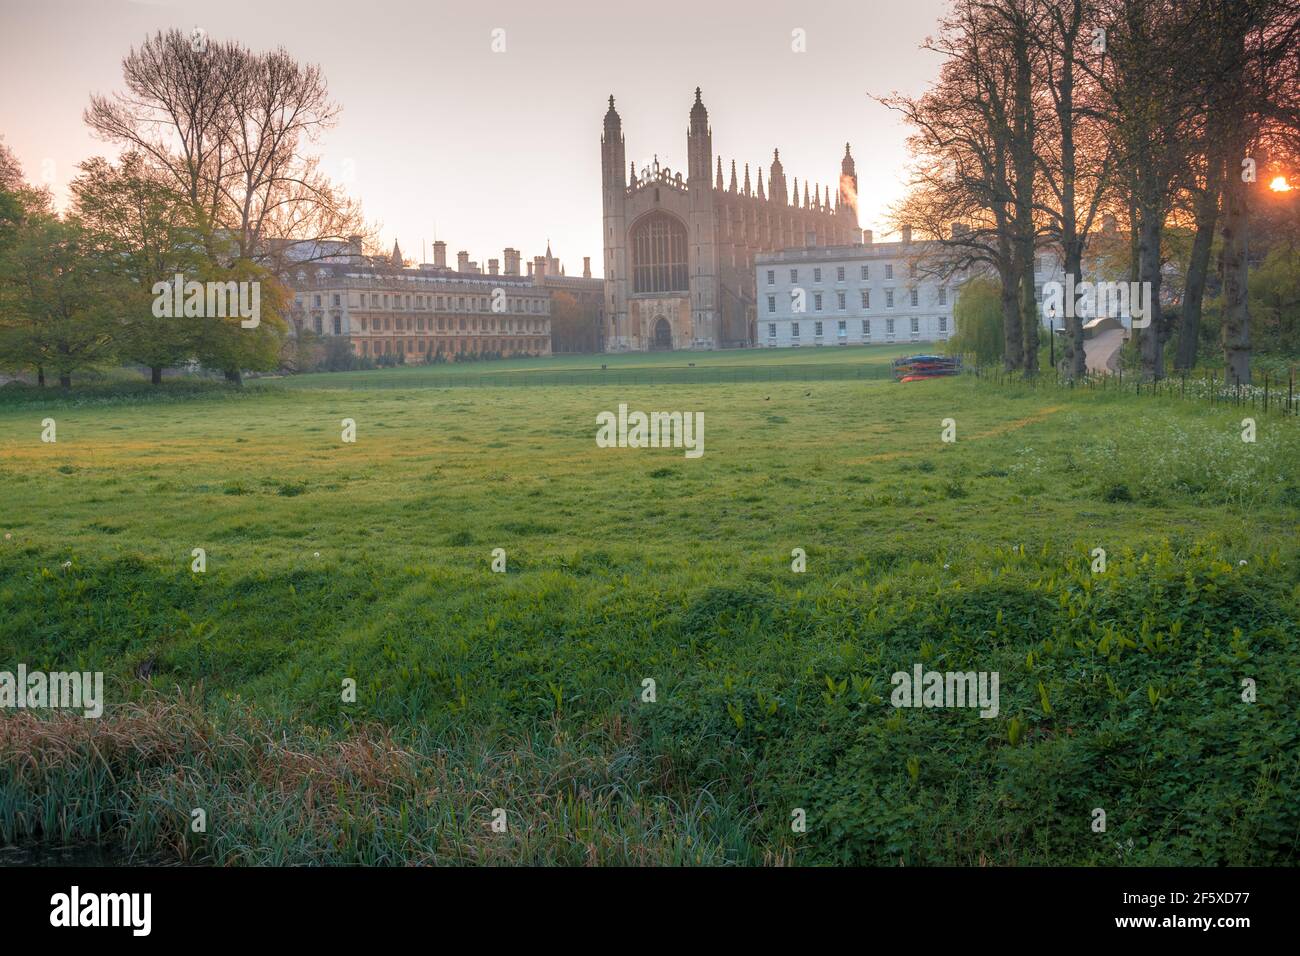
<point>771,303</point>
<point>916,325</point>
<point>817,329</point>
<point>866,273</point>
<point>794,330</point>
<point>817,301</point>
<point>943,295</point>
<point>889,298</point>
<point>866,330</point>
<point>943,323</point>
<point>771,330</point>
<point>771,277</point>
<point>817,275</point>
<point>839,273</point>
<point>866,298</point>
<point>839,300</point>
<point>794,275</point>
<point>916,298</point>
<point>842,328</point>
<point>889,270</point>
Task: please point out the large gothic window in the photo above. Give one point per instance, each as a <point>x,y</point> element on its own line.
<point>659,255</point>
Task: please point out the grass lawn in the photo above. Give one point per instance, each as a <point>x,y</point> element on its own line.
<point>526,690</point>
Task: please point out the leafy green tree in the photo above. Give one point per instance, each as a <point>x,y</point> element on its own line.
<point>1275,300</point>
<point>57,313</point>
<point>224,343</point>
<point>978,316</point>
<point>139,229</point>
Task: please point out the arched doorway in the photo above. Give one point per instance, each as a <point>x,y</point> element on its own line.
<point>663,335</point>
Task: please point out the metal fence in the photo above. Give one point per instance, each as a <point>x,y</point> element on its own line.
<point>1273,393</point>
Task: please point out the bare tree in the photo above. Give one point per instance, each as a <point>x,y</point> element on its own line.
<point>232,129</point>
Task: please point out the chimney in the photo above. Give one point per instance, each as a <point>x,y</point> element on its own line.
<point>866,237</point>
<point>493,265</point>
<point>440,254</point>
<point>539,267</point>
<point>586,267</point>
<point>907,235</point>
<point>462,261</point>
<point>530,270</point>
<point>354,245</point>
<point>512,261</point>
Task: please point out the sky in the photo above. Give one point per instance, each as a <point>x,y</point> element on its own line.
<point>441,137</point>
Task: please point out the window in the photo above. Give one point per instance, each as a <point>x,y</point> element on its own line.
<point>817,275</point>
<point>866,273</point>
<point>771,277</point>
<point>316,322</point>
<point>374,324</point>
<point>889,298</point>
<point>794,275</point>
<point>771,330</point>
<point>943,295</point>
<point>911,270</point>
<point>943,323</point>
<point>336,299</point>
<point>771,303</point>
<point>338,324</point>
<point>839,273</point>
<point>843,328</point>
<point>794,330</point>
<point>889,270</point>
<point>915,297</point>
<point>658,255</point>
<point>817,301</point>
<point>315,300</point>
<point>916,325</point>
<point>839,301</point>
<point>866,328</point>
<point>817,329</point>
<point>866,298</point>
<point>889,326</point>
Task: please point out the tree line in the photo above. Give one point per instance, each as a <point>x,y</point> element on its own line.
<point>1052,117</point>
<point>214,180</point>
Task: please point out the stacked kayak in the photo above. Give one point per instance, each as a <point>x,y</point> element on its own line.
<point>916,368</point>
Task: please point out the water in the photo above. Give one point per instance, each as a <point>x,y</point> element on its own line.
<point>43,854</point>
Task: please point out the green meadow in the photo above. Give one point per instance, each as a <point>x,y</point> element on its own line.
<point>649,681</point>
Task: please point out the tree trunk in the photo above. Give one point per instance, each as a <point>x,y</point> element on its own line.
<point>40,375</point>
<point>235,376</point>
<point>1236,311</point>
<point>65,380</point>
<point>1152,340</point>
<point>1013,357</point>
<point>1207,214</point>
<point>1028,305</point>
<point>1077,354</point>
<point>155,375</point>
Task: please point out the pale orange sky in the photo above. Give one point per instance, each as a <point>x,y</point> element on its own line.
<point>446,139</point>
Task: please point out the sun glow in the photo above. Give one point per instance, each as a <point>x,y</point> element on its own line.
<point>1280,185</point>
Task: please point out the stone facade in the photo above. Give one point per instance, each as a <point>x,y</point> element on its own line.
<point>679,248</point>
<point>868,293</point>
<point>414,313</point>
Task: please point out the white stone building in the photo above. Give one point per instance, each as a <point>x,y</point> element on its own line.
<point>871,293</point>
